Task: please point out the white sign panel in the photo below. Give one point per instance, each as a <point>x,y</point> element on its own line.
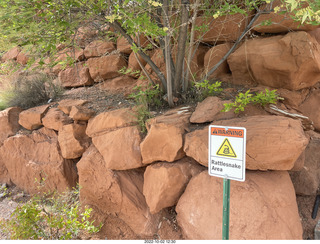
<point>227,152</point>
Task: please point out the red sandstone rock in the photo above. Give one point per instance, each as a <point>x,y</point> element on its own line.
<point>76,76</point>
<point>277,22</point>
<point>163,143</point>
<point>207,110</point>
<point>81,113</point>
<point>55,119</point>
<point>291,61</point>
<point>111,120</point>
<point>12,54</point>
<point>31,118</point>
<point>66,105</point>
<point>264,207</point>
<point>85,35</point>
<point>9,122</point>
<point>178,117</point>
<point>106,67</point>
<point>120,148</point>
<point>118,193</point>
<point>134,66</point>
<point>73,140</point>
<point>316,34</point>
<point>282,144</point>
<point>35,159</point>
<point>293,99</point>
<point>306,181</point>
<point>22,58</point>
<point>122,84</point>
<point>213,56</point>
<point>165,182</point>
<point>62,59</point>
<point>123,45</point>
<point>310,108</point>
<point>98,48</point>
<point>196,146</point>
<point>262,154</point>
<point>224,28</point>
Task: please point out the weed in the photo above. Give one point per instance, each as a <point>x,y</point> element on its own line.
<point>58,217</point>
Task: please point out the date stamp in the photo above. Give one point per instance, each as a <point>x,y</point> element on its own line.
<point>160,241</point>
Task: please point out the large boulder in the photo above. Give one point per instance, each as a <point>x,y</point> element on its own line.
<point>291,61</point>
<point>277,21</point>
<point>165,182</point>
<point>306,181</point>
<point>224,28</point>
<point>310,108</point>
<point>12,54</point>
<point>263,207</point>
<point>76,76</point>
<point>106,67</point>
<point>178,117</point>
<point>120,148</point>
<point>9,121</point>
<point>66,105</point>
<point>73,140</point>
<point>81,113</point>
<point>34,162</point>
<point>164,142</point>
<point>55,119</point>
<point>98,48</point>
<point>276,151</point>
<point>111,120</point>
<point>213,56</point>
<point>196,146</point>
<point>118,193</point>
<point>122,84</point>
<point>207,110</point>
<point>31,118</point>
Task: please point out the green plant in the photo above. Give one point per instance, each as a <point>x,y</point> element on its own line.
<point>243,99</point>
<point>149,97</point>
<point>3,191</point>
<point>128,71</point>
<point>58,217</point>
<point>29,91</point>
<point>204,89</point>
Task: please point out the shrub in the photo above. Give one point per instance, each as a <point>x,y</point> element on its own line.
<point>205,89</point>
<point>30,90</point>
<point>58,217</point>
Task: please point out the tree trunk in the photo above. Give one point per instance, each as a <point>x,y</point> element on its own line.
<point>167,54</point>
<point>181,45</point>
<point>191,44</point>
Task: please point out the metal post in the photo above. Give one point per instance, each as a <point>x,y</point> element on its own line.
<point>226,209</point>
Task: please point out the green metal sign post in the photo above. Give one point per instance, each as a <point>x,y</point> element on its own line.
<point>226,209</point>
<point>227,160</point>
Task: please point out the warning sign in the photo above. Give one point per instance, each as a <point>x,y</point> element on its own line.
<point>226,149</point>
<point>227,152</point>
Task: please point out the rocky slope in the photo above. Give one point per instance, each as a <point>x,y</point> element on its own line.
<point>157,186</point>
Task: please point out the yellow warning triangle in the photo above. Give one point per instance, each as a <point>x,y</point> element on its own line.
<point>226,149</point>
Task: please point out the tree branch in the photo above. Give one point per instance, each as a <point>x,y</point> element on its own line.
<point>154,67</point>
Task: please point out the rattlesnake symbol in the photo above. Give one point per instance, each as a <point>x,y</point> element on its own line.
<point>226,150</point>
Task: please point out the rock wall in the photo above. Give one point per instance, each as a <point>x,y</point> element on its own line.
<point>138,179</point>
